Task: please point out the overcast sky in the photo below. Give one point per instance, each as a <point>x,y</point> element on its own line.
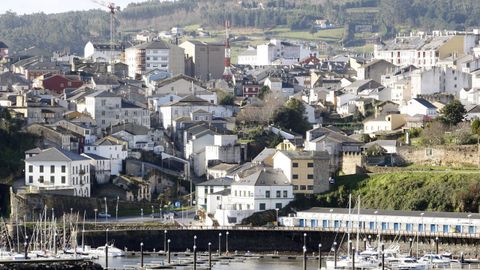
<point>54,6</point>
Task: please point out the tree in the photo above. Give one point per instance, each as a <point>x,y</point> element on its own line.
<point>433,134</point>
<point>453,113</point>
<point>375,150</point>
<point>226,99</point>
<point>263,92</point>
<point>313,30</point>
<point>291,117</point>
<point>476,126</point>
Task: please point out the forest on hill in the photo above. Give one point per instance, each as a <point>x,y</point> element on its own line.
<point>72,30</point>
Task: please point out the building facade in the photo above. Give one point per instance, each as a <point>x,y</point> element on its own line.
<point>55,169</point>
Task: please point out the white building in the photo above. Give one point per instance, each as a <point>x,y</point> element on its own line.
<point>102,52</point>
<point>253,190</point>
<point>425,51</point>
<point>108,109</point>
<point>225,149</point>
<point>384,124</point>
<point>211,187</point>
<point>115,150</point>
<point>184,108</point>
<point>386,221</point>
<point>419,106</point>
<point>59,170</point>
<point>100,168</point>
<point>154,55</point>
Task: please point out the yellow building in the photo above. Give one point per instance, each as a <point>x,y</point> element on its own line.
<point>307,171</point>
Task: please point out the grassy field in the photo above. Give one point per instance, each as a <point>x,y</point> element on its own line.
<point>328,35</point>
<point>431,191</point>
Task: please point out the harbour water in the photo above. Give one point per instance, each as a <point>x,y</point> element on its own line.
<point>250,263</point>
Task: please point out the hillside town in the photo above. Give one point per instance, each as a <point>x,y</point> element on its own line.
<point>164,122</point>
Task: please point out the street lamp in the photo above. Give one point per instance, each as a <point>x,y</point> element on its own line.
<point>376,221</point>
<point>304,239</point>
<point>153,211</point>
<point>106,237</point>
<point>319,256</point>
<point>194,240</point>
<point>95,210</point>
<point>226,246</point>
<point>168,251</point>
<point>141,212</point>
<point>141,252</point>
<point>165,241</point>
<point>219,243</point>
<point>106,209</point>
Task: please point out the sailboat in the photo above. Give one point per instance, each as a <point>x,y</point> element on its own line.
<point>363,261</point>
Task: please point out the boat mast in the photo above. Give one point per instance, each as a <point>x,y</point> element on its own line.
<point>358,224</point>
<point>83,231</point>
<point>349,222</point>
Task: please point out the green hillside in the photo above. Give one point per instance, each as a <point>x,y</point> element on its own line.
<point>431,191</point>
<point>387,17</point>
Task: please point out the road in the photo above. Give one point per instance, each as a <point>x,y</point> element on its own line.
<point>185,218</point>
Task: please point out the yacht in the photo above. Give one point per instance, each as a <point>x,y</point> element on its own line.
<point>435,260</point>
<point>112,251</point>
<point>407,263</point>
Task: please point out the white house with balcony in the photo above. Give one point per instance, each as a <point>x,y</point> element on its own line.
<point>253,190</point>
<point>57,170</point>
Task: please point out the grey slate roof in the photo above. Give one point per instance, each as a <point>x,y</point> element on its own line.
<point>262,176</point>
<point>93,156</point>
<point>157,44</point>
<point>217,182</point>
<point>306,155</point>
<point>425,103</point>
<point>56,154</point>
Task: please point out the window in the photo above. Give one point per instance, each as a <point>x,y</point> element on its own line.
<point>30,179</point>
<point>396,226</point>
<point>63,180</point>
<point>303,187</point>
<point>295,165</point>
<point>104,102</point>
<point>295,176</point>
<point>211,189</point>
<point>285,194</point>
<point>295,187</point>
<point>41,168</point>
<point>310,176</point>
<point>279,194</point>
<point>267,194</point>
<point>409,227</point>
<point>445,228</point>
<point>30,168</point>
<point>420,227</point>
<point>384,226</point>
<point>63,168</point>
<point>52,169</point>
<point>310,187</point>
<point>433,228</point>
<point>40,179</point>
<point>310,165</point>
<point>206,190</point>
<point>372,225</point>
<point>278,205</point>
<point>52,179</point>
<point>262,206</point>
